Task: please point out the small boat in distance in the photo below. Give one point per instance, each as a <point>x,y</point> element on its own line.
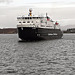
<point>38,27</point>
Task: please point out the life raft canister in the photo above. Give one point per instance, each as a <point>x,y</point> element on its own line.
<point>56,23</point>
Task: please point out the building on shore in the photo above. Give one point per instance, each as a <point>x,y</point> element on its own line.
<point>71,30</point>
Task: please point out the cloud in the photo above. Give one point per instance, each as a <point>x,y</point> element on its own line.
<point>7,1</point>
<point>66,14</point>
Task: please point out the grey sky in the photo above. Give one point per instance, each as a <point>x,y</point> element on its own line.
<point>7,1</point>
<point>22,2</point>
<point>61,10</point>
<point>32,1</point>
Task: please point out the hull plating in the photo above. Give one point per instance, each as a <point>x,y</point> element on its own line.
<point>30,33</point>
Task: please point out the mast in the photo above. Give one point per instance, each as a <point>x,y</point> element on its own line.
<point>30,12</point>
<point>46,14</point>
<point>46,17</point>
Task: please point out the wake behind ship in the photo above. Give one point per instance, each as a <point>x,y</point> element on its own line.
<point>37,27</point>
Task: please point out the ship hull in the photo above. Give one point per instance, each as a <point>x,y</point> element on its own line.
<point>32,33</point>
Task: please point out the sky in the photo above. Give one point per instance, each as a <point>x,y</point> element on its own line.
<point>61,10</point>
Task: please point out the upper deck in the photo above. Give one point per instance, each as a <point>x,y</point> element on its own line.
<point>35,21</point>
<point>30,17</point>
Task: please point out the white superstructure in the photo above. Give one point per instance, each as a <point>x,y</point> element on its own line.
<point>35,21</point>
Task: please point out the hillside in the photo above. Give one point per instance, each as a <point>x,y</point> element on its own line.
<point>8,31</point>
<point>67,27</point>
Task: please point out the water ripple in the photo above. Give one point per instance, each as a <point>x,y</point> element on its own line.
<point>47,57</point>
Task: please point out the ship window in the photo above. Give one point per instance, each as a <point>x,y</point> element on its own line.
<point>25,17</point>
<point>28,21</point>
<point>24,22</point>
<point>30,17</point>
<point>22,17</point>
<point>18,18</point>
<point>19,22</point>
<point>42,26</point>
<point>41,21</point>
<point>32,21</point>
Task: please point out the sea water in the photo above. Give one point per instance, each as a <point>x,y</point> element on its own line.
<point>45,57</point>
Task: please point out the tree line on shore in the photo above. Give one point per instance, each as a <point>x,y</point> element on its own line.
<point>8,31</point>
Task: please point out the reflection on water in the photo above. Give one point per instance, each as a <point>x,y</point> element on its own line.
<point>46,57</point>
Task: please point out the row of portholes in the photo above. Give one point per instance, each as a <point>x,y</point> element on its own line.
<point>26,22</point>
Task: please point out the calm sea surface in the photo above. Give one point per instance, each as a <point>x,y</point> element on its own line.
<point>47,57</point>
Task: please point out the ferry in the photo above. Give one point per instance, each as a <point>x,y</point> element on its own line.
<point>32,27</point>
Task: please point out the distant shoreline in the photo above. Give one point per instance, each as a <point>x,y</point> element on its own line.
<point>8,31</point>
<point>14,31</point>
